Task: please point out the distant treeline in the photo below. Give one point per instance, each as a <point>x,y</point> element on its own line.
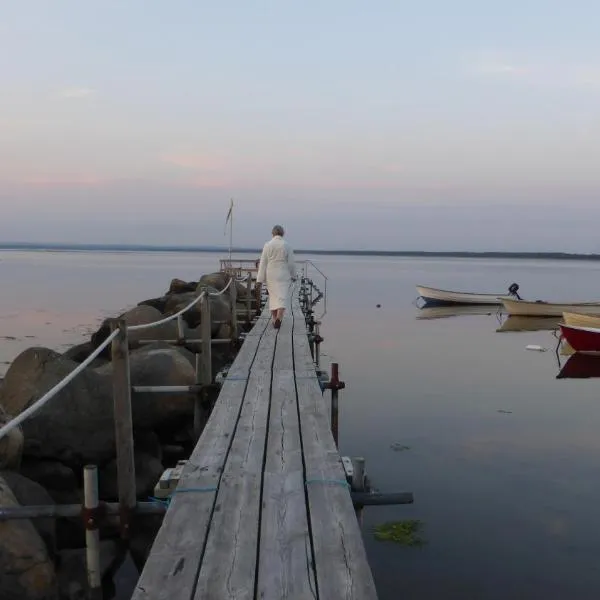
<point>217,249</point>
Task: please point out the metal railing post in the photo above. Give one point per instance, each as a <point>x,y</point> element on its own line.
<point>335,385</point>
<point>92,533</point>
<point>123,425</point>
<point>249,298</point>
<point>233,305</point>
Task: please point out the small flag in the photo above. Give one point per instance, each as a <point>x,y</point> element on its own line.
<point>229,212</point>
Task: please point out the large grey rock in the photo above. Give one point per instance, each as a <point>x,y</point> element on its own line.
<point>140,315</point>
<point>77,426</point>
<point>26,569</point>
<point>30,493</point>
<point>219,281</point>
<point>157,303</point>
<point>11,445</point>
<point>148,470</point>
<point>50,474</point>
<point>179,286</point>
<point>158,365</point>
<point>219,308</point>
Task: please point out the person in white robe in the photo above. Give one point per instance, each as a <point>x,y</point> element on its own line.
<point>277,269</point>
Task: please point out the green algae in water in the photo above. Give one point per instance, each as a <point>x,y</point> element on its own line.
<point>405,533</point>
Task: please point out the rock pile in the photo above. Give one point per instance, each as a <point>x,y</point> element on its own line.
<point>42,462</point>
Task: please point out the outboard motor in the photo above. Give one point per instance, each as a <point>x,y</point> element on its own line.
<point>513,290</point>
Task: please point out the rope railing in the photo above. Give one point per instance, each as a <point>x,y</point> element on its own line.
<point>38,404</point>
<point>178,314</point>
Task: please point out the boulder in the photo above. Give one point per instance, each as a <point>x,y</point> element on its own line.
<point>50,474</point>
<point>30,493</point>
<point>11,445</point>
<point>148,470</point>
<point>217,281</point>
<point>76,427</point>
<point>72,579</point>
<point>158,364</point>
<point>157,303</point>
<point>219,308</point>
<point>140,315</point>
<point>26,569</point>
<point>79,352</point>
<point>181,287</point>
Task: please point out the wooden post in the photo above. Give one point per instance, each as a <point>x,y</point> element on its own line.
<point>180,330</point>
<point>204,369</point>
<point>123,425</point>
<point>198,420</point>
<point>334,387</point>
<point>92,534</point>
<point>358,482</point>
<point>233,305</point>
<point>249,298</point>
<point>206,326</point>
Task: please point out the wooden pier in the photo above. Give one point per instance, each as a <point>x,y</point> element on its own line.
<point>263,509</point>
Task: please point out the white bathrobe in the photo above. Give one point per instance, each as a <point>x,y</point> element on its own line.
<point>277,268</point>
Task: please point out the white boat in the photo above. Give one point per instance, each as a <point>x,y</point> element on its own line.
<point>579,320</point>
<point>434,296</point>
<point>537,308</point>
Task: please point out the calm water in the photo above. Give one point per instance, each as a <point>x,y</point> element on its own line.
<point>509,500</point>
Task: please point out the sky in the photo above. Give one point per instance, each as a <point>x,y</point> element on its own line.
<point>430,125</point>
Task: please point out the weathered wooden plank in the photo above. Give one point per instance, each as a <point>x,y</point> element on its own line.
<point>229,566</point>
<point>172,568</point>
<point>285,561</point>
<point>341,565</point>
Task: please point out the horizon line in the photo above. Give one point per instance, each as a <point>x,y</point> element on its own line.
<point>66,246</point>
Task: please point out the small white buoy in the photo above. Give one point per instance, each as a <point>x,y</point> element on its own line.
<point>535,348</point>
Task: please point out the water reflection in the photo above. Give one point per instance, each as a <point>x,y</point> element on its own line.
<point>580,366</point>
<point>442,312</point>
<point>518,323</point>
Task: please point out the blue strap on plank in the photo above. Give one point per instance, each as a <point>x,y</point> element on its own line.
<point>167,501</point>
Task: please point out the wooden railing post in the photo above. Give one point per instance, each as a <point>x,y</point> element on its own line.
<point>233,306</point>
<point>123,425</point>
<point>204,369</point>
<point>180,330</point>
<point>249,298</point>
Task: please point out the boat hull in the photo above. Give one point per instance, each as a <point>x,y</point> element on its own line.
<point>526,308</point>
<point>437,297</point>
<point>582,339</point>
<point>579,320</point>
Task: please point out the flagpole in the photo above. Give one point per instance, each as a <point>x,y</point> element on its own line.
<point>231,231</point>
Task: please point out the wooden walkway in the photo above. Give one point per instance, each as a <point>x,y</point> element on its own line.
<point>262,510</point>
